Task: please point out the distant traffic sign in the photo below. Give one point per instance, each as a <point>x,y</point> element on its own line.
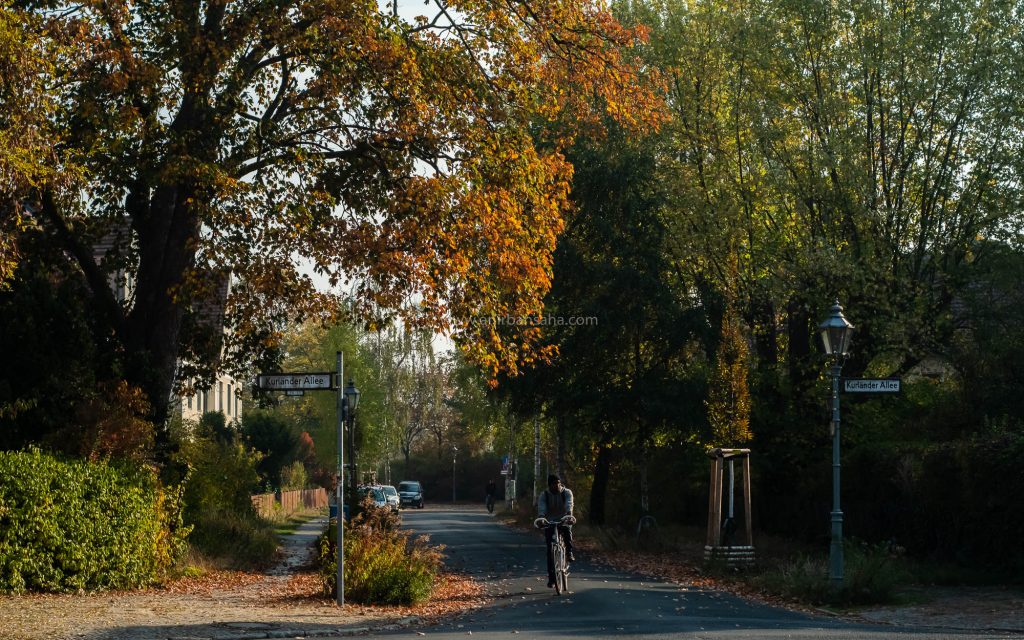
<point>293,381</point>
<point>871,385</point>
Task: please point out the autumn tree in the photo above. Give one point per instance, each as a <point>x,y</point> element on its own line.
<point>27,160</point>
<point>728,402</point>
<point>221,135</point>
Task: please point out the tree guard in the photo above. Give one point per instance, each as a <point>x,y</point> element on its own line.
<point>722,528</point>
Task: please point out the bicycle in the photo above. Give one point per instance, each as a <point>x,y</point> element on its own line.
<point>558,550</point>
<point>490,503</point>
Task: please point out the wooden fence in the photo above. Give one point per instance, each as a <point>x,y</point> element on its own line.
<point>288,502</point>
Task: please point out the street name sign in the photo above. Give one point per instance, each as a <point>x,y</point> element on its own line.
<point>871,385</point>
<point>295,381</point>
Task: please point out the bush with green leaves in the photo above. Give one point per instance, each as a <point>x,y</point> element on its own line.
<point>382,565</point>
<point>222,476</point>
<point>70,525</point>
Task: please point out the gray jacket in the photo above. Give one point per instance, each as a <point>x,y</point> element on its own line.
<point>554,505</point>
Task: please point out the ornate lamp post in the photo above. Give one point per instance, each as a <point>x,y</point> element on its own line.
<point>351,404</point>
<point>836,333</point>
<point>348,400</point>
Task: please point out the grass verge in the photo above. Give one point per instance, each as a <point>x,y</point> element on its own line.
<point>785,573</point>
<point>288,525</point>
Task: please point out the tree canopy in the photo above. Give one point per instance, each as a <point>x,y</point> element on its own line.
<point>248,136</point>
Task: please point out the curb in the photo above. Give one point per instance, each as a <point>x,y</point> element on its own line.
<point>303,633</point>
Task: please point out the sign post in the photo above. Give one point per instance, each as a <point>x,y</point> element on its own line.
<point>296,384</point>
<point>342,406</point>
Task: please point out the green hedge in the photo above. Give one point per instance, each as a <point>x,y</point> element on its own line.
<point>69,525</point>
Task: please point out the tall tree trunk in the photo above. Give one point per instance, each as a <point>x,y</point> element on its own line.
<point>599,490</point>
<point>799,342</point>
<point>536,458</point>
<point>762,318</point>
<point>168,232</point>
<point>560,448</point>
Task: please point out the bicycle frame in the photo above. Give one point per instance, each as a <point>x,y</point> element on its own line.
<point>558,550</point>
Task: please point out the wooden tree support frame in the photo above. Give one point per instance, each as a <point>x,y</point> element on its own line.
<point>714,548</point>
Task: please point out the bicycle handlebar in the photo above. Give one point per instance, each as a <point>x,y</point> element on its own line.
<point>540,523</point>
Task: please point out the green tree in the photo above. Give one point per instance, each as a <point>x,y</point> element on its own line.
<point>869,151</point>
<point>632,377</point>
<point>275,440</point>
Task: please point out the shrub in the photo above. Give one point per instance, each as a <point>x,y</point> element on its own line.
<point>239,540</point>
<point>804,578</point>
<point>294,477</point>
<point>222,476</point>
<point>73,525</point>
<point>871,574</point>
<point>382,566</point>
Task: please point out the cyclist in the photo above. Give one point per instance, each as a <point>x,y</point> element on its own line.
<point>490,492</point>
<point>552,504</point>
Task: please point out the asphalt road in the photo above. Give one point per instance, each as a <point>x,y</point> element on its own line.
<point>603,602</point>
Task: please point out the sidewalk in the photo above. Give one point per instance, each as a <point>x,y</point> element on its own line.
<point>284,602</point>
<point>955,608</point>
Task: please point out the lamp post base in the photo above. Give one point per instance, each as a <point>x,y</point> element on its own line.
<point>835,556</point>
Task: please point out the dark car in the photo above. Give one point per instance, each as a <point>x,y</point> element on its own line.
<point>410,493</point>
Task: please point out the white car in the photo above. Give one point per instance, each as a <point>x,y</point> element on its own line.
<point>375,492</point>
<point>391,493</point>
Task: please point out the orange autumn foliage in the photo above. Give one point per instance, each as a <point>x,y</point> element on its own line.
<point>395,159</point>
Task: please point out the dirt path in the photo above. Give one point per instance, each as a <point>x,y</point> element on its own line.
<point>284,602</point>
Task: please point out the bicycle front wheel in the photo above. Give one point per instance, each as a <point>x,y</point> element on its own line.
<point>559,552</point>
<point>564,578</point>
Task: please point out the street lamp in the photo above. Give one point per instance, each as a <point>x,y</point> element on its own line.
<point>836,333</point>
<point>455,450</point>
<point>351,403</point>
<point>352,396</point>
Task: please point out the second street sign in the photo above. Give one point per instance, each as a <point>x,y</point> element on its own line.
<point>293,381</point>
<point>871,385</point>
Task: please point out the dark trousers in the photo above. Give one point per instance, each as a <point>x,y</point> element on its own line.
<point>549,535</point>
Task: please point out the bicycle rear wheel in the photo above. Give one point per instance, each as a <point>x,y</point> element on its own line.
<point>564,578</point>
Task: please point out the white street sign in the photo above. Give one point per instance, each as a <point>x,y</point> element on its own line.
<point>288,381</point>
<point>869,385</point>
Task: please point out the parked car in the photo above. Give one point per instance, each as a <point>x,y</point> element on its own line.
<point>377,493</point>
<point>391,493</point>
<point>410,493</point>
